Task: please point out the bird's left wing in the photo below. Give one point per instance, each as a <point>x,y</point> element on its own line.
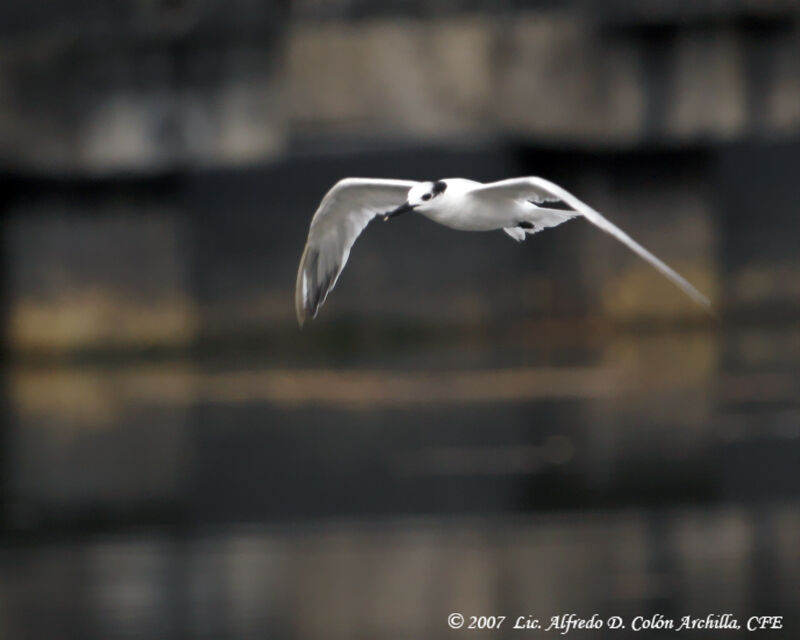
<point>557,203</point>
<point>341,217</point>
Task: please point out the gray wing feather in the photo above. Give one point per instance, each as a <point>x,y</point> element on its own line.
<point>345,210</point>
<point>542,191</point>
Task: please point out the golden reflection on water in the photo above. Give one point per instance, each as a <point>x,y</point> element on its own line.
<point>363,473</point>
<point>625,366</point>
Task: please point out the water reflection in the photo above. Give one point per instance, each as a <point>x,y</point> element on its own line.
<point>632,474</point>
<point>400,577</point>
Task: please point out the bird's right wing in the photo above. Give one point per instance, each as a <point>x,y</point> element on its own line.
<point>341,217</point>
<point>545,194</point>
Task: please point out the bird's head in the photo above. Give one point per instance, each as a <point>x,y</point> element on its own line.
<point>422,196</point>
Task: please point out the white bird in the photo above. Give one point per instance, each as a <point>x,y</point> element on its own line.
<point>518,206</point>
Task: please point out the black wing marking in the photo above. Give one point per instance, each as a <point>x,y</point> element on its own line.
<point>319,284</point>
<point>559,205</point>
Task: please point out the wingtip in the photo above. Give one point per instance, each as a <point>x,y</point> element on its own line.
<point>700,299</point>
<point>711,309</point>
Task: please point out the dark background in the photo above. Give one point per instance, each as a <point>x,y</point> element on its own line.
<point>470,425</point>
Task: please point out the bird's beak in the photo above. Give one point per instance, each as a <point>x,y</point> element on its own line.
<point>403,208</point>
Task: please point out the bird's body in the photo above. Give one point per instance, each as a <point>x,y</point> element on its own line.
<point>458,211</point>
<point>518,206</point>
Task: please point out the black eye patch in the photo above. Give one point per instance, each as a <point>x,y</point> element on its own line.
<point>439,187</point>
<point>427,196</point>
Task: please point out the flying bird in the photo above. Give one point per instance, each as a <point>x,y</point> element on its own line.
<point>518,206</point>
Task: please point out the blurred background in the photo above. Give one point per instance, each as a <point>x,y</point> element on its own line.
<point>471,425</point>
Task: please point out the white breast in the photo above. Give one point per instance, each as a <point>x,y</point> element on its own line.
<point>457,209</point>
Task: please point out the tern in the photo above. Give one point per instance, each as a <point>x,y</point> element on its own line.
<point>518,206</point>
